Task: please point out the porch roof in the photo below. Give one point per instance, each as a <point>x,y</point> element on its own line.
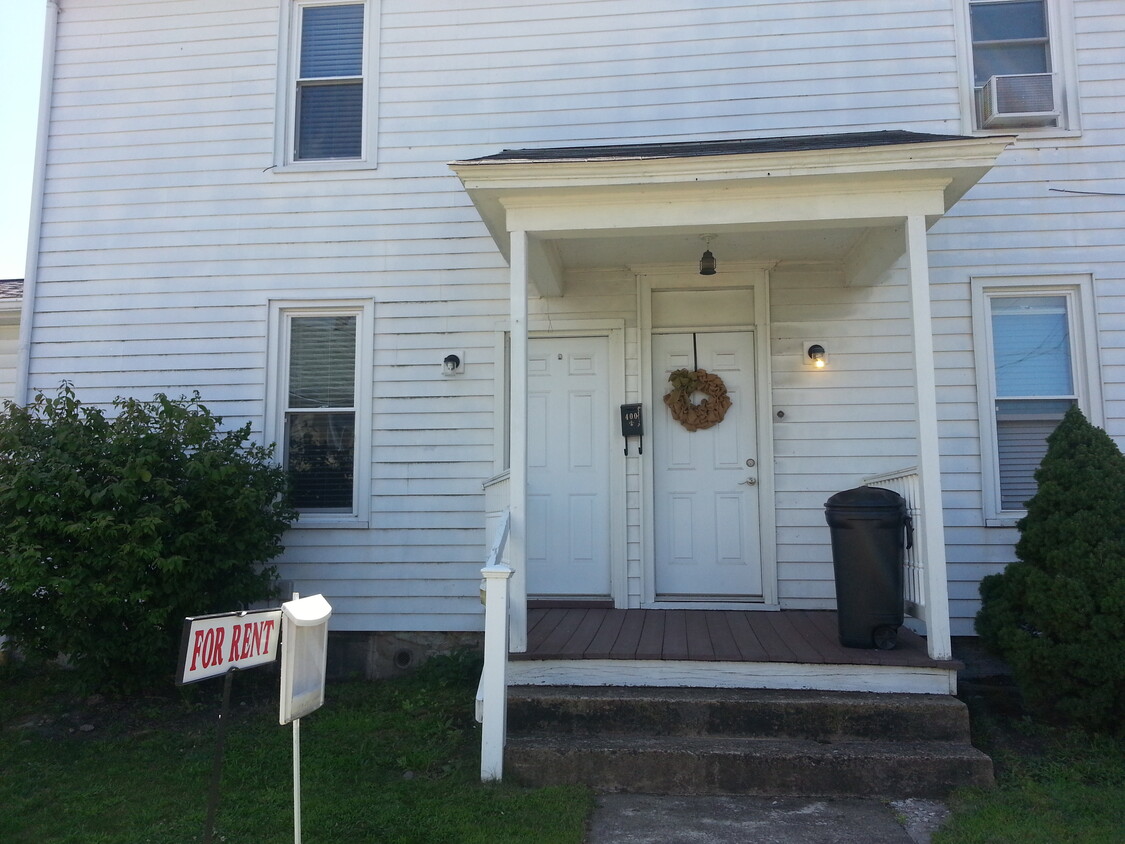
<point>738,146</point>
<point>807,198</point>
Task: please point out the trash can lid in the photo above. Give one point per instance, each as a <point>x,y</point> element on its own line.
<point>867,496</point>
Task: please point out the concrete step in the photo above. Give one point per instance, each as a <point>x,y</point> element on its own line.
<point>742,741</point>
<point>695,765</point>
<point>815,715</point>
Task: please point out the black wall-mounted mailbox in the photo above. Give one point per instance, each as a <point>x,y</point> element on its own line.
<point>632,425</point>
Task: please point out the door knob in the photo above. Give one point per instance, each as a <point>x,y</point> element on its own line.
<point>748,482</point>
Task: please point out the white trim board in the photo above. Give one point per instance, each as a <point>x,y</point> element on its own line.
<point>733,675</point>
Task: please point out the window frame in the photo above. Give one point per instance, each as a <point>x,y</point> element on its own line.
<point>288,76</point>
<point>281,315</point>
<point>1061,57</point>
<point>1077,290</point>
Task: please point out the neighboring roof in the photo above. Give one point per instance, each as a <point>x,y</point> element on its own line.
<point>692,149</point>
<point>11,288</point>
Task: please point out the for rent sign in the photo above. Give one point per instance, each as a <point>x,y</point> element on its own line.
<point>212,645</point>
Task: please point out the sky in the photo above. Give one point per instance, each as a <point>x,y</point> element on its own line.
<point>21,59</point>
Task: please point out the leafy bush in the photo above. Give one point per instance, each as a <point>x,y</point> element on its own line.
<point>1058,615</point>
<point>115,529</point>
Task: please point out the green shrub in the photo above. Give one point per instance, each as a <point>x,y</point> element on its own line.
<point>1058,614</point>
<point>114,530</point>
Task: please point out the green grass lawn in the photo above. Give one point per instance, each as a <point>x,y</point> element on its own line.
<point>1054,785</point>
<point>381,762</point>
<point>392,762</point>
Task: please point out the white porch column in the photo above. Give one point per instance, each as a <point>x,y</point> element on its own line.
<point>929,469</point>
<point>517,428</point>
<point>493,715</point>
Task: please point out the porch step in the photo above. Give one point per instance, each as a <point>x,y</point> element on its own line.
<point>705,741</point>
<point>755,713</point>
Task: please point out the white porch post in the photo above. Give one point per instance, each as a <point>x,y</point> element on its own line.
<point>929,468</point>
<point>517,427</point>
<point>494,679</point>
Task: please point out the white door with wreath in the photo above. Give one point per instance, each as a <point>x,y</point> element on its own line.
<point>705,468</point>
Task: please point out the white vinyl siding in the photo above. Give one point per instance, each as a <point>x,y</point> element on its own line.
<point>834,426</point>
<point>165,237</point>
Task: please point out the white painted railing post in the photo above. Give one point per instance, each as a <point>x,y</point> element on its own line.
<point>494,677</point>
<point>492,692</point>
<point>905,483</point>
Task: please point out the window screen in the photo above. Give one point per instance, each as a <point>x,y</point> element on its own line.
<point>330,83</point>
<point>1034,386</point>
<point>1009,38</point>
<point>320,415</point>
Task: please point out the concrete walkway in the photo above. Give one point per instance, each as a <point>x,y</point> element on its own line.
<point>649,819</point>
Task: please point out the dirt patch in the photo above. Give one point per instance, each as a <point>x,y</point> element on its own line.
<point>1001,725</point>
<point>81,717</point>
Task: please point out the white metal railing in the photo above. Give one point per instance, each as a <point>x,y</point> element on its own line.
<point>906,483</point>
<point>492,692</point>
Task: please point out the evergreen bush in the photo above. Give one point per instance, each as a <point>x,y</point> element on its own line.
<point>114,530</point>
<point>1058,614</point>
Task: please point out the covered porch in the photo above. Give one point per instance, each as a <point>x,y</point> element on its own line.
<point>724,524</point>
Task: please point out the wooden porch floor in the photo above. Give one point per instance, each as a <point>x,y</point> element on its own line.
<point>791,636</point>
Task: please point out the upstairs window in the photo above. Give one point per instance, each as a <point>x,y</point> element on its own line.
<point>328,98</point>
<point>1017,76</point>
<point>329,89</point>
<point>1009,38</point>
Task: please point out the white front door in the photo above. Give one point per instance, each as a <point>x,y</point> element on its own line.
<point>570,431</point>
<point>706,520</point>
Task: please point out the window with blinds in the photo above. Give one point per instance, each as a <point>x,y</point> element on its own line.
<point>330,85</point>
<point>1033,383</point>
<point>320,412</point>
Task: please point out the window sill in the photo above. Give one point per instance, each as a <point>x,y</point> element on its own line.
<point>299,167</point>
<point>1030,135</point>
<point>1003,521</point>
<point>311,521</point>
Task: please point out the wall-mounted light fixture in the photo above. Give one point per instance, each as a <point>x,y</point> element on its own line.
<point>816,356</point>
<point>707,263</point>
<point>454,364</point>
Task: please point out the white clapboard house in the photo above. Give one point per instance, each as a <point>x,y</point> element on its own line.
<point>431,248</point>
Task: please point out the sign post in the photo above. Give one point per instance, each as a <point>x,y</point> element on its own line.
<point>303,666</point>
<point>217,646</point>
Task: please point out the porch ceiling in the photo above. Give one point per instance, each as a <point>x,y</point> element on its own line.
<point>808,198</point>
<point>768,245</point>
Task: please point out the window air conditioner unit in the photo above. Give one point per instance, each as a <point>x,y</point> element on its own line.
<point>1023,99</point>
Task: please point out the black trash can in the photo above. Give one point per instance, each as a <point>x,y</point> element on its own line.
<point>868,526</point>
